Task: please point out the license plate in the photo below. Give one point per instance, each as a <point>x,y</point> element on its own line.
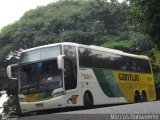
<point>39,105</point>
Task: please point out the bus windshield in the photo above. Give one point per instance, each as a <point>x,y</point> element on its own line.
<point>40,54</point>
<point>40,76</point>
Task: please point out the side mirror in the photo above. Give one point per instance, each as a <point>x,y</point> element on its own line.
<point>9,71</point>
<point>60,62</point>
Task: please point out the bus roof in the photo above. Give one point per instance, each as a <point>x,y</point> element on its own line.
<point>91,47</point>
<point>119,52</point>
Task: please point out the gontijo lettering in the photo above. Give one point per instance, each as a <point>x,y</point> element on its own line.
<point>129,77</point>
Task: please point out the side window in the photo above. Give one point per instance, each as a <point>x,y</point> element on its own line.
<point>70,62</point>
<point>98,59</point>
<point>128,63</point>
<point>121,63</point>
<point>85,57</point>
<point>134,66</point>
<point>104,60</point>
<point>144,66</point>
<point>147,67</point>
<point>113,61</point>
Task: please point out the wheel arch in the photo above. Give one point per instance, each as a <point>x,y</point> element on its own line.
<point>143,91</point>
<point>90,95</point>
<point>144,97</point>
<point>136,91</point>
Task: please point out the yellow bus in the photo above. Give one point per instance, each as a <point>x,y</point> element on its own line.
<point>69,75</point>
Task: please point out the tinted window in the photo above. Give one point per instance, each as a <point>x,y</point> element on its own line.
<point>104,60</point>
<point>100,59</point>
<point>143,66</point>
<point>85,57</point>
<point>70,51</point>
<point>147,67</point>
<point>70,61</point>
<point>134,64</point>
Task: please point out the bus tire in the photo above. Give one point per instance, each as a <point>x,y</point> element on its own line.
<point>136,97</point>
<point>88,100</point>
<point>143,97</point>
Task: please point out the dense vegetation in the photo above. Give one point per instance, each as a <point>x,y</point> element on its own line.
<point>132,27</point>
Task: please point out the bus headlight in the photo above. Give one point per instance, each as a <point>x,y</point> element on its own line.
<point>22,100</point>
<point>58,94</point>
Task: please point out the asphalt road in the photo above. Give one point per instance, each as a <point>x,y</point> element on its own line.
<point>103,112</point>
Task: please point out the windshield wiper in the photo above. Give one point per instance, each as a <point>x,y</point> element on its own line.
<point>28,86</point>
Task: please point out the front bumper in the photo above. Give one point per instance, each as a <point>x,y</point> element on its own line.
<point>57,102</point>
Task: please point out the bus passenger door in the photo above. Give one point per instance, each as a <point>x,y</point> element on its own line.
<point>70,75</point>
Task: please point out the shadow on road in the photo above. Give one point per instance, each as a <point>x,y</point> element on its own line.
<point>68,109</point>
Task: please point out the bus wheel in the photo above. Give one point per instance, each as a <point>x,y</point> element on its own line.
<point>88,100</point>
<point>136,97</point>
<point>143,97</point>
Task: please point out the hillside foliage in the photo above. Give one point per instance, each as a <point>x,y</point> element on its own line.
<point>124,26</point>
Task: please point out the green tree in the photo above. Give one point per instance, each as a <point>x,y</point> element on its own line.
<point>145,16</point>
<point>144,19</point>
<point>81,21</point>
